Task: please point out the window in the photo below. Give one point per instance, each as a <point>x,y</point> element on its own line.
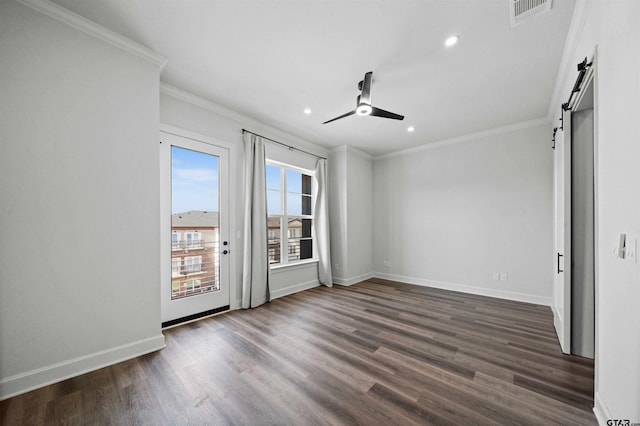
<point>192,240</point>
<point>175,241</point>
<point>192,284</point>
<point>192,265</point>
<point>175,267</point>
<point>289,201</point>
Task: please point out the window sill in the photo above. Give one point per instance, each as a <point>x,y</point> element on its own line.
<point>297,265</point>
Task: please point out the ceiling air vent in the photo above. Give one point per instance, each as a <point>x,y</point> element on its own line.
<point>523,10</point>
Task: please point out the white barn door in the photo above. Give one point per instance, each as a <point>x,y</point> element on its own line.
<point>562,233</point>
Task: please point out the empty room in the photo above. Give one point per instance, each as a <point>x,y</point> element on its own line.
<point>319,212</point>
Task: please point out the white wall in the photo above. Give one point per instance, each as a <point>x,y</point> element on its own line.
<point>611,27</point>
<point>350,214</point>
<point>79,201</point>
<point>186,111</point>
<point>452,214</point>
<point>360,214</point>
<point>337,178</point>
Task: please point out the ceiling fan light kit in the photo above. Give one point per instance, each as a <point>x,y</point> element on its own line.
<point>363,103</point>
<point>363,109</point>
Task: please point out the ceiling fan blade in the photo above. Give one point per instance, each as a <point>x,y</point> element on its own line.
<point>377,112</point>
<point>365,96</point>
<point>342,116</point>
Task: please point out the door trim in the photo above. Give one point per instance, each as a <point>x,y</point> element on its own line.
<point>591,77</point>
<point>233,187</point>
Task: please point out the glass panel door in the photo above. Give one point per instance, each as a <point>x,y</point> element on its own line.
<point>195,235</point>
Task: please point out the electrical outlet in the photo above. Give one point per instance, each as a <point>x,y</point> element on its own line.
<point>504,276</point>
<point>337,266</point>
<point>386,264</point>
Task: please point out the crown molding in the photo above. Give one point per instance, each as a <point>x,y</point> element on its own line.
<point>580,14</point>
<point>360,153</point>
<point>339,148</point>
<point>243,120</point>
<point>81,23</point>
<point>196,100</point>
<point>471,136</point>
<point>348,148</point>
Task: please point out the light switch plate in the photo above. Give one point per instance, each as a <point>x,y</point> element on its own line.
<point>622,243</point>
<point>631,247</point>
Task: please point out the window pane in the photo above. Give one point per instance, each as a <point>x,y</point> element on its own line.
<point>294,249</point>
<point>306,228</point>
<point>306,205</point>
<point>306,249</point>
<point>294,204</point>
<point>194,203</point>
<point>274,202</point>
<point>294,228</point>
<point>306,184</point>
<point>273,238</point>
<point>294,182</point>
<point>300,249</point>
<point>273,178</point>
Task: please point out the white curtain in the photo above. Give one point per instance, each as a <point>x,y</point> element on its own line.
<point>321,219</point>
<point>255,269</point>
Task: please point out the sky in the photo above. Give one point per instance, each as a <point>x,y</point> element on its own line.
<point>194,181</point>
<point>294,189</point>
<point>194,184</point>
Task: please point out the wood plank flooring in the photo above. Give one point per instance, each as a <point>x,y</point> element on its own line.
<point>378,352</point>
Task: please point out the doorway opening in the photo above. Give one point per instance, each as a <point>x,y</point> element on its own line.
<point>583,225</point>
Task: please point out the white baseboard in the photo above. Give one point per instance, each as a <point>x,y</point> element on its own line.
<point>353,280</point>
<point>601,411</point>
<point>293,289</point>
<point>480,291</point>
<point>34,379</point>
<point>558,324</point>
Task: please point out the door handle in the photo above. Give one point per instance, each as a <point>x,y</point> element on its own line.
<point>559,256</point>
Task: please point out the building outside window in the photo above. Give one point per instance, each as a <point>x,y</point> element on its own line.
<point>194,253</point>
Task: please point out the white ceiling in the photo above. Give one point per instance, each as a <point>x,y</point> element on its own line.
<point>270,59</point>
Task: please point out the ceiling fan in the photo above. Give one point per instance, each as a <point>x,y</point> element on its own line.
<point>364,106</point>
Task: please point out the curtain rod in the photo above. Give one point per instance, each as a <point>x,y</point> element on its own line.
<point>284,144</point>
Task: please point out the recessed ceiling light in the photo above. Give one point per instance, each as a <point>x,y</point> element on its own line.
<point>307,111</point>
<point>410,129</point>
<point>451,40</point>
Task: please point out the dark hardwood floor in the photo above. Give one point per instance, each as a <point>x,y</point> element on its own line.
<point>377,352</point>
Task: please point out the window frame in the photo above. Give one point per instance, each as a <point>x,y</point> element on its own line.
<point>284,216</point>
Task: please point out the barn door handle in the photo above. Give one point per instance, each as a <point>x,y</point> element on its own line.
<point>559,256</point>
